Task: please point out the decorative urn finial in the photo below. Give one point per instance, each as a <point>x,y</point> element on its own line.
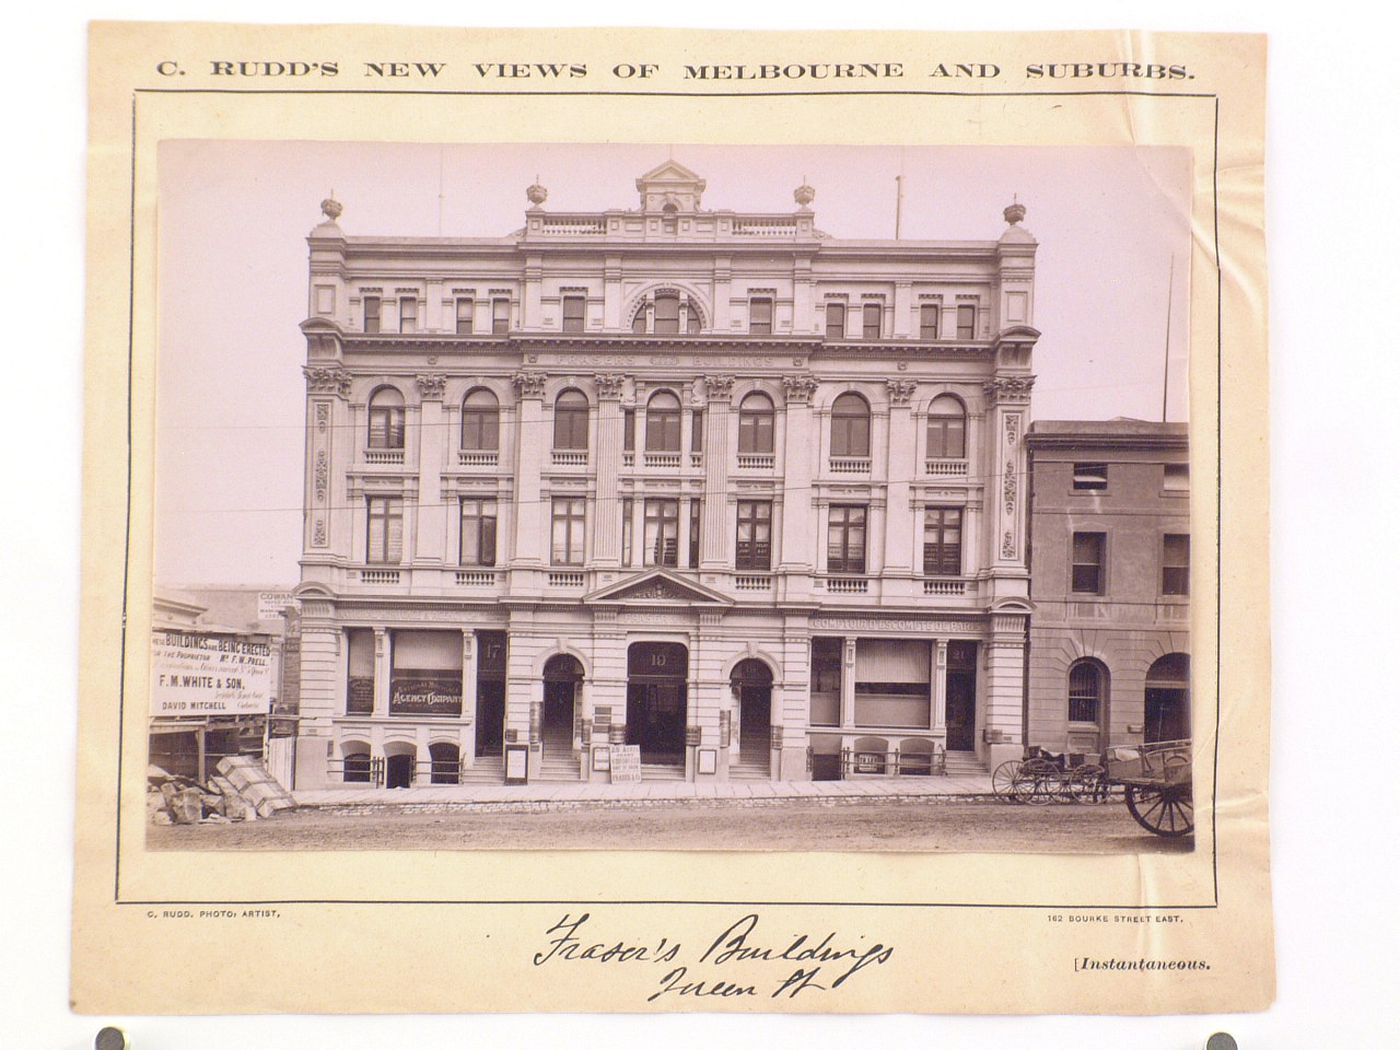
<point>536,194</point>
<point>1014,212</point>
<point>331,208</point>
<point>804,194</point>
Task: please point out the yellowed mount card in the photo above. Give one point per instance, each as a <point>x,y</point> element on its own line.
<point>654,521</point>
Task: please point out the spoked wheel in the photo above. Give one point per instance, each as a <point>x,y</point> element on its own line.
<point>1004,780</point>
<point>1036,783</point>
<point>1088,785</point>
<point>1165,811</point>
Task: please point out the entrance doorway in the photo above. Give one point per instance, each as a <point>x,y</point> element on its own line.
<point>562,676</point>
<point>1167,700</point>
<point>754,684</point>
<point>656,701</point>
<point>398,771</point>
<point>490,691</point>
<point>960,709</point>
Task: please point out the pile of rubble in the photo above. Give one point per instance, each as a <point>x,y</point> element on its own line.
<point>240,790</point>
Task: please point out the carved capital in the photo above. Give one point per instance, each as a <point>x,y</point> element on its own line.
<point>718,388</point>
<point>901,390</point>
<point>432,386</point>
<point>324,380</point>
<point>609,384</point>
<point>1009,389</point>
<point>799,389</point>
<point>529,384</point>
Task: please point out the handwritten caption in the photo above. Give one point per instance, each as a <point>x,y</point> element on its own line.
<point>739,962</point>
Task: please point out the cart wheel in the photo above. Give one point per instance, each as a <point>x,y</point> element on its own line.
<point>1004,780</point>
<point>1165,811</point>
<point>1088,785</point>
<point>1036,782</point>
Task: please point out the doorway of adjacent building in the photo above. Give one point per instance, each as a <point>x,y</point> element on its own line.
<point>1167,700</point>
<point>960,708</point>
<point>656,701</point>
<point>398,771</point>
<point>754,684</point>
<point>563,675</point>
<point>490,692</point>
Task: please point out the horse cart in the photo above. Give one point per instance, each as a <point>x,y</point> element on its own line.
<point>1154,781</point>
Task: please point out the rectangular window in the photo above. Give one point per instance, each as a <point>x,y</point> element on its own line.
<point>943,541</point>
<point>478,532</point>
<point>626,532</point>
<point>845,539</point>
<point>826,681</point>
<point>500,316</point>
<point>967,321</point>
<point>1090,477</point>
<point>1176,564</point>
<point>1086,571</point>
<point>870,320</point>
<point>928,320</point>
<point>695,506</point>
<point>629,430</point>
<point>372,313</point>
<point>660,532</point>
<point>574,313</point>
<point>408,314</point>
<point>753,547</point>
<point>666,314</point>
<point>836,320</point>
<point>760,316</point>
<point>893,679</point>
<point>385,540</point>
<point>359,683</point>
<point>697,430</point>
<point>1176,477</point>
<point>566,547</point>
<point>465,308</point>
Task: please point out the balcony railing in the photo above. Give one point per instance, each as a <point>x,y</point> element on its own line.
<point>629,459</point>
<point>383,456</point>
<point>477,458</point>
<point>566,579</point>
<point>380,576</point>
<point>567,458</point>
<point>697,458</point>
<point>661,459</point>
<point>850,464</point>
<point>847,584</point>
<point>753,583</point>
<point>946,468</point>
<point>945,588</point>
<point>476,577</point>
<point>756,461</point>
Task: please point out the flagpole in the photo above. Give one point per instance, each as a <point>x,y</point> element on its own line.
<point>1166,348</point>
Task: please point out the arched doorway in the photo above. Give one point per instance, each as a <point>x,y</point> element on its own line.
<point>656,701</point>
<point>563,675</point>
<point>398,770</point>
<point>752,681</point>
<point>1167,699</point>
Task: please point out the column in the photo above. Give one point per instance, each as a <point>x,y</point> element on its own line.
<point>469,667</point>
<point>607,515</point>
<point>612,292</point>
<point>848,683</point>
<point>322,656</point>
<point>530,312</point>
<point>1004,689</point>
<point>940,686</point>
<point>799,545</point>
<point>714,533</point>
<point>899,515</point>
<point>902,309</point>
<point>531,444</point>
<point>382,663</point>
<point>430,535</point>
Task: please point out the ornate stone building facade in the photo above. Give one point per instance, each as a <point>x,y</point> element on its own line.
<point>712,483</point>
<point>1111,571</point>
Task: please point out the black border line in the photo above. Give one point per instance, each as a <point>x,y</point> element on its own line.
<point>1219,580</point>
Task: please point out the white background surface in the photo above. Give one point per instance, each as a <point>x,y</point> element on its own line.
<point>1331,191</point>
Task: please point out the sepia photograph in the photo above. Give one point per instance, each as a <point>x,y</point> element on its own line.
<point>688,497</point>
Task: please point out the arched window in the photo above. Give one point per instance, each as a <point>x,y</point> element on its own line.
<point>664,422</point>
<point>481,421</point>
<point>666,313</point>
<point>386,415</point>
<point>947,428</point>
<point>571,421</point>
<point>667,316</point>
<point>850,426</point>
<point>1167,699</point>
<point>1086,691</point>
<point>357,767</point>
<point>756,425</point>
<point>446,763</point>
<point>668,218</point>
